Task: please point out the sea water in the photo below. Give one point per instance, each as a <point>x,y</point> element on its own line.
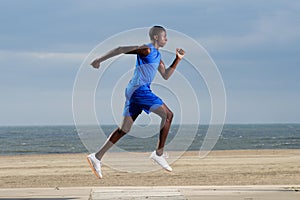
<point>15,140</point>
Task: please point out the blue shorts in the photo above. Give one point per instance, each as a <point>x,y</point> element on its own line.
<point>141,99</point>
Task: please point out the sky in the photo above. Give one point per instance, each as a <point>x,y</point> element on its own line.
<point>255,45</point>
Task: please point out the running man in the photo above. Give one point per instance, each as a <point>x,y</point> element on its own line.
<point>139,96</point>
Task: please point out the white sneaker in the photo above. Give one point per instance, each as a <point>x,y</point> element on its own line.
<point>161,161</point>
<point>95,164</point>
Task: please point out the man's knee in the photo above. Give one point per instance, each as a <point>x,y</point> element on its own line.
<point>169,116</point>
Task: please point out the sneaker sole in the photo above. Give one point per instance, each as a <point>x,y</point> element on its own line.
<point>92,167</point>
<point>160,165</point>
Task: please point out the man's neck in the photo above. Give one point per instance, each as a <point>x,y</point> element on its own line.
<point>155,45</point>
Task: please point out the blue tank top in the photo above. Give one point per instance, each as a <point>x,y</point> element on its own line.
<point>145,68</point>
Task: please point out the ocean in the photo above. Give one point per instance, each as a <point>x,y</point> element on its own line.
<point>17,140</point>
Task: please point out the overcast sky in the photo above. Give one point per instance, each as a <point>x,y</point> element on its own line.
<point>254,43</point>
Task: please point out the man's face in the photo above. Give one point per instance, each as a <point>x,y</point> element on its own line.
<point>162,39</point>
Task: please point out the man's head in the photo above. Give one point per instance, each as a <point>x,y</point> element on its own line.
<point>158,35</point>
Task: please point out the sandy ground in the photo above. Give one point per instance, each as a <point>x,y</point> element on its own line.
<point>242,167</point>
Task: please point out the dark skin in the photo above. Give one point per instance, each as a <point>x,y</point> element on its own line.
<point>143,51</point>
<point>163,111</point>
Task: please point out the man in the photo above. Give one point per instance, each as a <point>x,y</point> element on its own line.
<point>139,96</point>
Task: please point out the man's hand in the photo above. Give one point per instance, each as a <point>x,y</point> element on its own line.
<point>96,63</point>
<point>180,53</point>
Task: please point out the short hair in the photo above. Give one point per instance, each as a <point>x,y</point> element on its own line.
<point>155,30</point>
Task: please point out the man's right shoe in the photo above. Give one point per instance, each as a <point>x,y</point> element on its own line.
<point>95,165</point>
<point>161,161</point>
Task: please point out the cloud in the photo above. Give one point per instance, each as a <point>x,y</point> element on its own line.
<point>279,29</point>
<point>41,56</point>
<point>263,107</point>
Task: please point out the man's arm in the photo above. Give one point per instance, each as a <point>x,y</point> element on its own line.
<point>166,73</point>
<point>143,50</point>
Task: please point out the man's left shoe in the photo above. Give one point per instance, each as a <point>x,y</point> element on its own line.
<point>161,161</point>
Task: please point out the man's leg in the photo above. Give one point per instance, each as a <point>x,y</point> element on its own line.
<point>166,119</point>
<point>116,135</point>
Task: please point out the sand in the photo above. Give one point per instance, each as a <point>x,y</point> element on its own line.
<point>235,167</point>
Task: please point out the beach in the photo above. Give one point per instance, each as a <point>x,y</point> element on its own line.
<point>219,168</point>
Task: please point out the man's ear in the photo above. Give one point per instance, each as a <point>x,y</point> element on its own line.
<point>155,37</point>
